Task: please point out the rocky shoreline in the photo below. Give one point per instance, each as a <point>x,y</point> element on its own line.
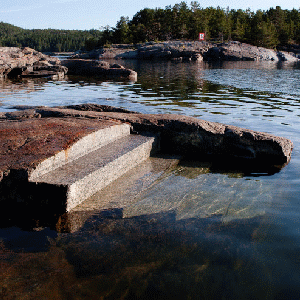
<point>191,50</point>
<point>52,159</point>
<point>26,62</point>
<point>187,136</point>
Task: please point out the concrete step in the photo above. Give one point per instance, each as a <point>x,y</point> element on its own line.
<point>80,148</point>
<point>87,174</point>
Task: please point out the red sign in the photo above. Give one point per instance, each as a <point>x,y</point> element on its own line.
<point>201,36</point>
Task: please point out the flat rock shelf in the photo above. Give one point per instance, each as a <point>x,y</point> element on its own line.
<point>52,159</point>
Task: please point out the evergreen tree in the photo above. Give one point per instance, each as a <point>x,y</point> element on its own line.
<point>181,21</point>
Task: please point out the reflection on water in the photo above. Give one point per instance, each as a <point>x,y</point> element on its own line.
<point>237,93</point>
<point>165,230</point>
<point>170,229</point>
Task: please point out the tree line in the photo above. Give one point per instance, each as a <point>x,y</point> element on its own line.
<point>271,28</point>
<point>46,40</point>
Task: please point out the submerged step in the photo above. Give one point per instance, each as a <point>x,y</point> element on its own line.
<point>82,147</point>
<point>86,175</point>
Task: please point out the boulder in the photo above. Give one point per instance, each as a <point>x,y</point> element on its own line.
<point>26,62</point>
<point>92,67</point>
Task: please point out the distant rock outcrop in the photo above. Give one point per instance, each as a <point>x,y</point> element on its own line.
<point>26,62</point>
<point>236,51</point>
<point>171,50</point>
<point>183,135</point>
<point>191,50</point>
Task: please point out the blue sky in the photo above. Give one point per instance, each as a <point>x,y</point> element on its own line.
<point>89,14</point>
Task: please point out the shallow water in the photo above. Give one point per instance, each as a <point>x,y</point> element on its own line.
<point>172,229</point>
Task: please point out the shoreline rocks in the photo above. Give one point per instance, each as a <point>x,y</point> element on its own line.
<point>39,140</point>
<point>236,51</point>
<point>173,50</point>
<point>26,62</point>
<point>191,50</point>
<point>187,136</point>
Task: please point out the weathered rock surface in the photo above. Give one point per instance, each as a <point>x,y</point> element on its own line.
<point>179,134</point>
<point>26,62</point>
<point>191,50</point>
<point>292,49</point>
<point>241,51</point>
<point>191,136</point>
<point>27,139</point>
<point>98,68</point>
<point>172,51</point>
<point>34,141</point>
<point>175,50</point>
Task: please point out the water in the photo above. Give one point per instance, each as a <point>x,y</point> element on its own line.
<point>171,229</point>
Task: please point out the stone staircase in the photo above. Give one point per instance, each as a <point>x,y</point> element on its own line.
<point>93,162</point>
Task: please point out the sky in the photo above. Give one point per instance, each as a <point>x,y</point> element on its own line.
<point>94,14</point>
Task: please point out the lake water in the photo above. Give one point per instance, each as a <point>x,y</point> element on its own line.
<point>171,229</point>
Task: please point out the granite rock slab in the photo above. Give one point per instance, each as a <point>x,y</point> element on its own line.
<point>28,139</point>
<point>33,135</point>
<point>184,135</point>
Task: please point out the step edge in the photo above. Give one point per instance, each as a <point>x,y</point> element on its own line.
<point>82,147</point>
<point>108,174</point>
<point>74,173</point>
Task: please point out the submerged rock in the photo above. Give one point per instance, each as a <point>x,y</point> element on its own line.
<point>26,62</point>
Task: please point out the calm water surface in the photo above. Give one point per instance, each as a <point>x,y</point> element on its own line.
<point>197,231</point>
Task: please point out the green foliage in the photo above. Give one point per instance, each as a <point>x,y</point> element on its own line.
<point>269,28</point>
<point>48,40</point>
<point>122,31</point>
<point>262,28</point>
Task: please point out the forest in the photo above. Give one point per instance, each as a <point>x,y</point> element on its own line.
<point>271,28</point>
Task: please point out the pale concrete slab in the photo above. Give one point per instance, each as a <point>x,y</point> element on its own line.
<point>90,173</point>
<point>85,145</point>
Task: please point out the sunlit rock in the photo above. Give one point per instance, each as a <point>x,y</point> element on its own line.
<point>26,62</point>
